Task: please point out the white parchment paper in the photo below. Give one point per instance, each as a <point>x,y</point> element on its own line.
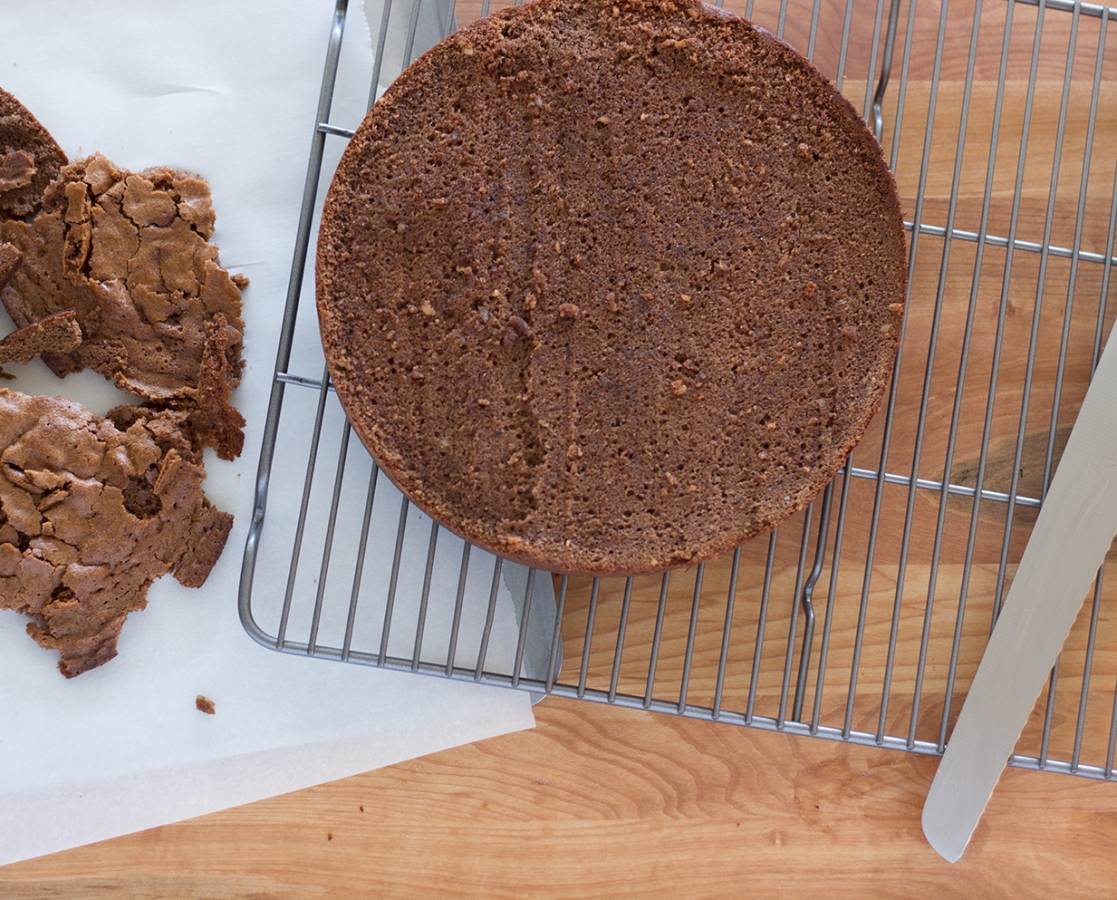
<point>227,89</point>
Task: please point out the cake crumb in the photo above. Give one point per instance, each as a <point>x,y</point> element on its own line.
<point>204,704</point>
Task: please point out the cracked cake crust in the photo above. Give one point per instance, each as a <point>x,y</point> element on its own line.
<point>111,270</point>
<point>90,516</point>
<point>130,254</point>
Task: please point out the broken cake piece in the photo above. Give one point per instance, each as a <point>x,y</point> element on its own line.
<point>91,513</point>
<point>29,159</point>
<point>59,333</point>
<point>129,252</point>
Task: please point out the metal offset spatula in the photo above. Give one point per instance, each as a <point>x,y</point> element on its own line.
<point>1076,525</point>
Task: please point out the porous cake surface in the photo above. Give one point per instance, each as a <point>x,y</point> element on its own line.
<point>611,287</point>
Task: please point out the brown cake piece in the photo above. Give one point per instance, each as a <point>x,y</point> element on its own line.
<point>10,260</point>
<point>29,159</point>
<point>130,254</point>
<point>609,286</point>
<point>59,333</point>
<point>90,516</point>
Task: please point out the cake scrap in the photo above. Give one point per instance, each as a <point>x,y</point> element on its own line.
<point>59,333</point>
<point>110,270</point>
<point>29,159</point>
<point>91,513</point>
<point>129,253</point>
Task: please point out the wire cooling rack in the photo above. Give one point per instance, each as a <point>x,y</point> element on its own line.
<point>863,618</point>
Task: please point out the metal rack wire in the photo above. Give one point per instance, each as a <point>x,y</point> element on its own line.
<point>863,618</point>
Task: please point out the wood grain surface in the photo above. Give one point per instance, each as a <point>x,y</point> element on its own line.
<point>601,802</point>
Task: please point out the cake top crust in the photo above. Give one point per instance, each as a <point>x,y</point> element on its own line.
<point>90,515</point>
<point>130,253</point>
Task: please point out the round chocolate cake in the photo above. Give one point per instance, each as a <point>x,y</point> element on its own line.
<point>611,287</point>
